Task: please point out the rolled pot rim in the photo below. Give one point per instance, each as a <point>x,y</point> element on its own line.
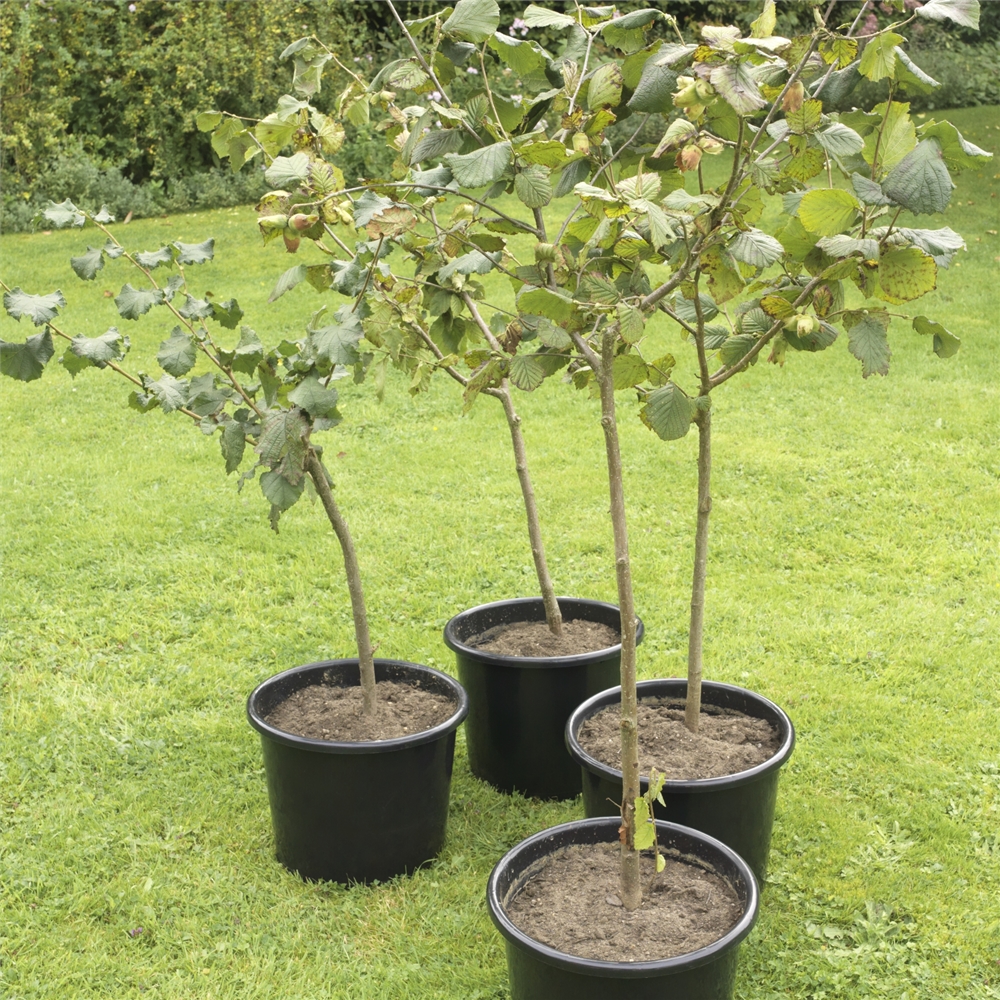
<point>450,724</point>
<point>622,970</point>
<point>613,695</point>
<point>456,645</point>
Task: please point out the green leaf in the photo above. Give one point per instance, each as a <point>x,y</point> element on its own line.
<point>195,308</point>
<point>178,354</point>
<point>631,324</point>
<point>668,412</point>
<point>941,244</point>
<point>368,206</point>
<point>958,153</point>
<point>906,274</point>
<point>474,20</point>
<point>645,829</point>
<point>227,314</point>
<point>522,56</point>
<point>898,137</point>
<point>796,239</point>
<point>63,214</point>
<point>408,75</point>
<point>233,442</point>
<point>291,277</point>
<point>946,344</point>
<point>281,493</point>
<point>911,77</point>
<point>827,211</point>
<point>171,393</point>
<point>272,132</point>
<point>764,26</point>
<point>844,246</point>
<point>526,372</point>
<point>654,92</point>
<point>605,88</point>
<point>204,397</point>
<point>249,352</point>
<point>152,260</point>
<point>539,17</point>
<point>821,337</point>
<point>686,311</point>
<point>436,143</point>
<point>868,342</point>
<point>544,302</point>
<point>87,265</point>
<point>628,370</point>
<point>878,60</point>
<point>533,187</point>
<point>40,309</point>
<point>195,253</point>
<point>337,342</point>
<point>724,279</point>
<point>734,349</point>
<point>964,12</point>
<point>756,248</point>
<point>474,262</point>
<point>806,119</point>
<point>25,362</point>
<point>208,120</point>
<point>288,172</point>
<point>481,166</point>
<point>315,398</point>
<point>135,302</point>
<point>839,85</point>
<point>98,351</point>
<point>869,191</point>
<point>839,140</point>
<point>920,182</point>
<point>738,88</point>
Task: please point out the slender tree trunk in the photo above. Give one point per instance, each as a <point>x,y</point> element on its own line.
<point>365,656</point>
<point>553,616</point>
<point>630,888</point>
<point>692,707</point>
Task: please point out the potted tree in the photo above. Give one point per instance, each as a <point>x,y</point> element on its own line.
<point>329,733</point>
<point>525,663</point>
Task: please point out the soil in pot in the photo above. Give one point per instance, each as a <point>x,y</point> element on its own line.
<point>684,908</point>
<point>727,741</point>
<point>330,712</point>
<point>535,639</point>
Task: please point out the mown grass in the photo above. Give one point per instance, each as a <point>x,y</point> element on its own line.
<point>853,579</point>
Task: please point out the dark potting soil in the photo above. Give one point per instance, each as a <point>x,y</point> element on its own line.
<point>325,712</point>
<point>727,742</point>
<point>571,904</point>
<point>535,639</point>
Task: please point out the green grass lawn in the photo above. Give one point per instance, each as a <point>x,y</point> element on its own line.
<point>854,579</point>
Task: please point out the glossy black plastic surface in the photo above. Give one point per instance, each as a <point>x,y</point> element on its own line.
<point>538,972</point>
<point>357,812</point>
<point>737,809</point>
<point>518,705</point>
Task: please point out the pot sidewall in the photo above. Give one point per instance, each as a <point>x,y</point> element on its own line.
<point>538,972</point>
<point>736,809</point>
<point>518,705</point>
<point>316,788</point>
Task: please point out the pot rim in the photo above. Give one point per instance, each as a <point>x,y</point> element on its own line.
<point>613,696</point>
<point>456,645</point>
<point>362,747</point>
<point>622,970</point>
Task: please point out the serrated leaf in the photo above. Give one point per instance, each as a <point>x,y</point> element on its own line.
<point>154,258</point>
<point>524,57</point>
<point>481,166</point>
<point>878,60</point>
<point>668,412</point>
<point>776,306</point>
<point>806,164</point>
<point>135,302</point>
<point>288,172</point>
<point>946,344</point>
<point>605,89</point>
<point>839,85</point>
<point>169,391</point>
<point>958,153</point>
<point>911,77</point>
<point>208,120</point>
<point>26,362</point>
<point>685,308</point>
<point>40,309</point>
<point>819,339</point>
<point>899,135</point>
<point>233,443</point>
<point>920,182</point>
<point>526,372</point>
<point>844,246</point>
<point>905,274</point>
<point>368,206</point>
<point>941,244</point>
<point>806,119</point>
<point>87,265</point>
<point>735,348</point>
<point>249,352</point>
<point>756,248</point>
<point>314,397</point>
<point>178,354</point>
<point>279,491</point>
<point>839,140</point>
<point>474,262</point>
<point>193,308</point>
<point>964,12</point>
<point>724,280</point>
<point>868,342</point>
<point>538,17</point>
<point>436,143</point>
<point>796,239</point>
<point>337,342</point>
<point>408,75</point>
<point>63,214</point>
<point>645,831</point>
<point>869,191</point>
<point>533,187</point>
<point>391,223</point>
<point>292,277</point>
<point>827,211</point>
<point>204,397</point>
<point>474,20</point>
<point>738,88</point>
<point>754,320</point>
<point>544,302</point>
<point>628,370</point>
<point>630,323</point>
<point>195,253</point>
<point>98,351</point>
<point>227,314</point>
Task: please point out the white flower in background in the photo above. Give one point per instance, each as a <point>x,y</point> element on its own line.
<point>436,95</point>
<point>472,70</point>
<point>518,26</point>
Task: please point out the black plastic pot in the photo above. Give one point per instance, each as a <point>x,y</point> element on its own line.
<point>737,809</point>
<point>538,972</point>
<point>518,705</point>
<point>357,812</point>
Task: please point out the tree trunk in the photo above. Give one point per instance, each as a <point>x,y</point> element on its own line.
<point>630,888</point>
<point>366,660</point>
<point>692,707</point>
<point>553,616</point>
